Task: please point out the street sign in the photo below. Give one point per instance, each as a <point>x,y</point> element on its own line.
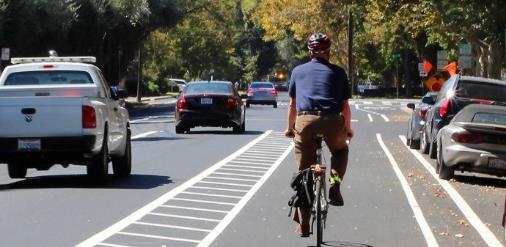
<point>6,54</point>
<point>465,56</point>
<point>421,70</point>
<point>442,59</point>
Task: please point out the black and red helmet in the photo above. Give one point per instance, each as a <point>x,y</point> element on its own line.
<point>318,42</point>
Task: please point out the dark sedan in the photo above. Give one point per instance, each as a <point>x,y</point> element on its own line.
<point>417,120</point>
<point>210,104</point>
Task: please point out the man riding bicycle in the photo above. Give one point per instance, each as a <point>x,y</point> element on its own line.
<point>319,94</point>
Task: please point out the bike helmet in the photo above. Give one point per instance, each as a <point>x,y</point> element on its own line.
<point>318,42</point>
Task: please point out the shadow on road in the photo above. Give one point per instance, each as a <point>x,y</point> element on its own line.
<point>342,244</point>
<point>135,181</point>
<point>484,181</point>
<point>151,110</point>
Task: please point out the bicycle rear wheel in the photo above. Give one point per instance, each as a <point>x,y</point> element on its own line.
<point>319,213</point>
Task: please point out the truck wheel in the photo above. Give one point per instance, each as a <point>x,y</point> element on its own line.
<point>99,168</point>
<point>16,170</point>
<point>122,166</point>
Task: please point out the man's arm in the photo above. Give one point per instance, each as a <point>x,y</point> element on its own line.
<point>292,116</point>
<point>347,118</point>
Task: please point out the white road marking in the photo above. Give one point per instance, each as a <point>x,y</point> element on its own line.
<point>468,212</point>
<point>253,164</point>
<point>203,201</point>
<point>145,134</point>
<point>214,188</point>
<point>256,158</point>
<point>171,226</point>
<point>262,152</point>
<point>135,216</point>
<point>424,226</point>
<point>370,118</point>
<point>112,245</point>
<point>230,184</point>
<point>385,117</point>
<point>158,237</point>
<point>224,223</point>
<point>237,174</point>
<point>195,209</point>
<point>354,120</point>
<point>211,195</point>
<point>368,103</point>
<point>240,170</point>
<point>184,217</point>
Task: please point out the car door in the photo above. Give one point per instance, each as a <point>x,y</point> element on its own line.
<point>114,118</point>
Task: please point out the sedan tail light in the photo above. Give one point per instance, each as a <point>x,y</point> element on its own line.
<point>274,92</point>
<point>466,137</point>
<point>443,112</point>
<point>89,117</point>
<point>423,112</point>
<point>231,104</point>
<point>250,92</point>
<point>182,103</point>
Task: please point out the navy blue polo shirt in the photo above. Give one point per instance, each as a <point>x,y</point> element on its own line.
<point>319,86</point>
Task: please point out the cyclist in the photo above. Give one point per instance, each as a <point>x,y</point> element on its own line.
<point>319,94</point>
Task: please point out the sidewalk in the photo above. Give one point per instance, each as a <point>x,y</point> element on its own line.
<point>131,102</point>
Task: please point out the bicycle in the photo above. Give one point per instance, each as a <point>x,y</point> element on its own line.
<point>320,205</point>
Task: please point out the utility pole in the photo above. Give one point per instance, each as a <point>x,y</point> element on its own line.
<point>139,73</point>
<point>350,52</point>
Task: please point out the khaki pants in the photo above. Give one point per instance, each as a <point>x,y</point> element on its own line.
<point>334,134</point>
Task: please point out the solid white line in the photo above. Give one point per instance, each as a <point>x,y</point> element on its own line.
<point>211,195</point>
<point>233,179</point>
<point>424,226</point>
<point>184,217</point>
<point>231,184</point>
<point>368,103</point>
<point>386,103</point>
<point>237,174</point>
<point>468,212</point>
<point>195,209</point>
<point>144,134</point>
<point>171,226</point>
<point>254,166</point>
<point>385,117</point>
<point>224,223</point>
<point>203,201</point>
<point>214,188</point>
<point>241,170</point>
<point>112,245</point>
<point>135,216</point>
<point>158,237</point>
<point>354,120</point>
<point>370,118</point>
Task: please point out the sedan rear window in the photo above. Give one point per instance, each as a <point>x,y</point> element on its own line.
<point>489,118</point>
<point>481,90</point>
<point>209,88</point>
<point>264,85</point>
<point>48,78</point>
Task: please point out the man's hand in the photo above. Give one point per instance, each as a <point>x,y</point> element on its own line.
<point>289,133</point>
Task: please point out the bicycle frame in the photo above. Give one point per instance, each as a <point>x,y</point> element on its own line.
<point>320,205</point>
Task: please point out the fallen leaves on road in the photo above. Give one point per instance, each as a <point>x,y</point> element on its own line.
<point>462,222</point>
<point>440,193</point>
<point>444,234</point>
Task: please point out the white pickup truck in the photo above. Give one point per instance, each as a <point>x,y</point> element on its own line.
<point>61,110</point>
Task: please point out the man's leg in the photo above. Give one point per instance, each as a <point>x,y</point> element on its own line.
<point>305,156</point>
<point>336,141</point>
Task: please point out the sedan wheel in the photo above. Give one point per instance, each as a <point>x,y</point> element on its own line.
<point>445,172</point>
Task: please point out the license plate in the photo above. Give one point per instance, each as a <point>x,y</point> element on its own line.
<point>497,164</point>
<point>28,145</point>
<point>206,101</point>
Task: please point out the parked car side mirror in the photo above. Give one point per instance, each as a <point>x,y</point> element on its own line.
<point>118,93</point>
<point>411,106</point>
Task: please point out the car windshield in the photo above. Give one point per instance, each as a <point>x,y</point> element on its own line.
<point>489,118</point>
<point>260,85</point>
<point>208,88</point>
<point>481,90</point>
<point>48,78</point>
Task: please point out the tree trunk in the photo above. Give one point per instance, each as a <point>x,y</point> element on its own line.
<point>407,74</point>
<point>483,61</point>
<point>494,60</point>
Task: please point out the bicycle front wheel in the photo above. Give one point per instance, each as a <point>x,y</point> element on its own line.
<point>319,213</point>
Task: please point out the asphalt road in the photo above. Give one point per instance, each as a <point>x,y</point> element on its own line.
<point>215,188</point>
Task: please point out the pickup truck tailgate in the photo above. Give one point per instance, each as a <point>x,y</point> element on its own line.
<point>40,116</point>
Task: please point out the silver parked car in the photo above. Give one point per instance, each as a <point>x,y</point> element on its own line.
<point>262,93</point>
<point>475,140</point>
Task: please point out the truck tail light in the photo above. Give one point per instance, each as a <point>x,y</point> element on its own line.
<point>231,104</point>
<point>89,117</point>
<point>182,103</point>
<point>443,112</point>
